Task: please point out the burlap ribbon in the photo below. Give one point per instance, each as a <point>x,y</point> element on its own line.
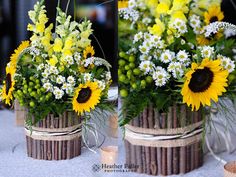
<point>178,137</point>
<point>55,134</point>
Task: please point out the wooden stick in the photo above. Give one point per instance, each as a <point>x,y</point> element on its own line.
<point>127,152</point>
<point>138,154</point>
<point>182,160</point>
<point>164,161</point>
<point>192,157</point>
<point>153,162</point>
<point>156,119</point>
<point>176,160</point>
<point>188,158</point>
<point>144,160</point>
<point>133,154</point>
<point>159,158</point>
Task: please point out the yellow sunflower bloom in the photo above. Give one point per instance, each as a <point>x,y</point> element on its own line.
<point>204,82</point>
<point>202,40</point>
<point>18,51</point>
<point>88,52</point>
<point>8,87</point>
<point>213,14</point>
<point>86,97</point>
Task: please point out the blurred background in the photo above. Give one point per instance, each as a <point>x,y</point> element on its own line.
<point>14,19</point>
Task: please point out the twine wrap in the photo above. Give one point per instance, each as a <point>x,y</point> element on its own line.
<point>56,134</point>
<point>177,137</point>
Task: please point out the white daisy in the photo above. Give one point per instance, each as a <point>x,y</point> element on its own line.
<point>145,57</point>
<point>58,93</point>
<point>144,49</point>
<point>176,69</point>
<point>183,57</point>
<point>227,63</point>
<point>71,80</point>
<point>146,66</point>
<point>60,79</point>
<point>69,60</point>
<point>160,76</point>
<point>87,77</point>
<point>147,20</point>
<point>207,51</point>
<point>40,67</point>
<point>167,56</point>
<point>77,57</point>
<point>46,73</point>
<point>101,84</point>
<point>48,86</point>
<point>138,37</point>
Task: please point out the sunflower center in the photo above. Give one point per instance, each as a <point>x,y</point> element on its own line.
<point>201,80</point>
<point>213,19</point>
<point>8,83</point>
<point>84,95</point>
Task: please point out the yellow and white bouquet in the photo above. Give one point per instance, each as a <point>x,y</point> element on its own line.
<point>169,54</point>
<point>55,72</point>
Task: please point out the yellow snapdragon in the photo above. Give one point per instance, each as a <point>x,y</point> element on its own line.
<point>67,50</point>
<point>178,15</point>
<point>57,47</point>
<point>47,38</point>
<point>162,8</point>
<point>53,61</point>
<point>180,5</point>
<point>158,28</point>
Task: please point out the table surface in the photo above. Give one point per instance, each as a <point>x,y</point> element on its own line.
<point>15,163</point>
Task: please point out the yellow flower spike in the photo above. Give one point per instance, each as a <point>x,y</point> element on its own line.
<point>213,14</point>
<point>168,2</point>
<point>86,97</point>
<point>180,5</point>
<point>53,61</point>
<point>158,28</point>
<point>40,27</point>
<point>30,27</point>
<point>68,43</point>
<point>162,8</point>
<point>204,82</point>
<point>178,15</point>
<point>57,47</point>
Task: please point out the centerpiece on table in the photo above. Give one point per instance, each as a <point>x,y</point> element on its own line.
<point>58,79</point>
<point>170,74</point>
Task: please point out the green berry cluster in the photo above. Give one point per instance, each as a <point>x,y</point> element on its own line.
<point>130,76</point>
<point>32,93</point>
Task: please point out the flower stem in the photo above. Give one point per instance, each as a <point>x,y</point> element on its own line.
<point>67,6</point>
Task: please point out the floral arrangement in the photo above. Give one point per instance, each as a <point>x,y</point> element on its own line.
<point>169,53</point>
<point>55,72</point>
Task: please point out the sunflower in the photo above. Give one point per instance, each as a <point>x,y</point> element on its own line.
<point>213,14</point>
<point>18,51</point>
<point>89,52</point>
<point>86,97</point>
<point>204,82</point>
<point>122,4</point>
<point>8,87</point>
<point>202,40</point>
